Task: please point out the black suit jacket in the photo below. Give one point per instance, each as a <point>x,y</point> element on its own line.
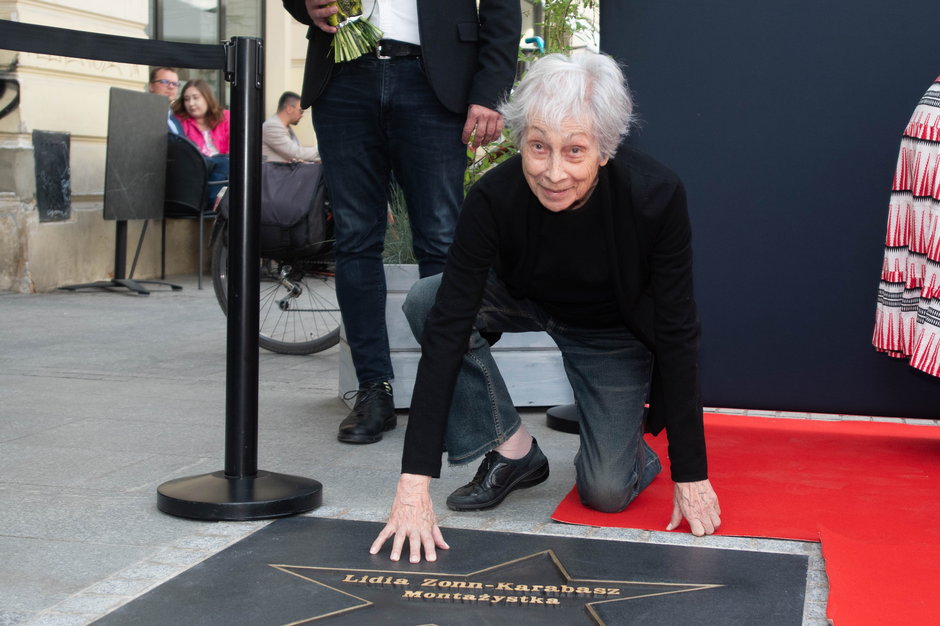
<point>470,57</point>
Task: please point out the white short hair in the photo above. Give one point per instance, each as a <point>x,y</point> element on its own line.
<point>586,87</point>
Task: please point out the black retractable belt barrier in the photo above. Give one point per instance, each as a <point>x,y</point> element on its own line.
<point>100,47</point>
<point>241,491</point>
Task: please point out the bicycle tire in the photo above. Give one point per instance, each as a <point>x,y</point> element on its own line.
<point>298,311</point>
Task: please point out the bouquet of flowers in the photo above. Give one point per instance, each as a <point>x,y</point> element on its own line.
<point>354,36</point>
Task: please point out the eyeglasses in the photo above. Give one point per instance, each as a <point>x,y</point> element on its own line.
<point>166,83</point>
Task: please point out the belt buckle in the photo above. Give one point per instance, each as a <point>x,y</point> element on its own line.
<point>378,52</point>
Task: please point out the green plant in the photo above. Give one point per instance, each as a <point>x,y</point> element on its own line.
<point>486,158</point>
<point>561,19</point>
<point>355,35</point>
<point>398,245</point>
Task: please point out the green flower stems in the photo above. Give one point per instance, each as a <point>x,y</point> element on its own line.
<point>354,36</point>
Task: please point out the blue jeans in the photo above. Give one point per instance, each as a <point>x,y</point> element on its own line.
<point>609,372</point>
<point>218,171</point>
<point>378,117</point>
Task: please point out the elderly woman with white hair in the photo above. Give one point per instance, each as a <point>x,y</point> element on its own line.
<point>590,242</point>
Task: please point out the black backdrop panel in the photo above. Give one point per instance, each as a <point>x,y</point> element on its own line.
<point>784,120</point>
<point>135,167</point>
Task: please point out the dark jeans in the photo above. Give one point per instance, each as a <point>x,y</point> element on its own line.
<point>378,117</point>
<point>218,171</point>
<point>609,372</point>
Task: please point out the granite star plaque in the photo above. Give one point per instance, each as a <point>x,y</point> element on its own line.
<point>318,571</point>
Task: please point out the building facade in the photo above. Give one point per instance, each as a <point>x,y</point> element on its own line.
<point>58,106</point>
<point>65,98</point>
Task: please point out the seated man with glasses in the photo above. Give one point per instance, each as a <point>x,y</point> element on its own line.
<point>166,82</point>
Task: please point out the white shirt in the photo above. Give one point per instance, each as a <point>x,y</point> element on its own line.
<point>209,148</point>
<point>397,19</point>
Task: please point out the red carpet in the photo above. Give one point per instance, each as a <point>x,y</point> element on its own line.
<point>892,581</point>
<point>870,491</point>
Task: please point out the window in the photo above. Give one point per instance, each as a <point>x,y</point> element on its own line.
<point>243,18</point>
<point>190,21</point>
<point>206,22</point>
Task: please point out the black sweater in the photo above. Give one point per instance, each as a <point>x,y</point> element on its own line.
<point>648,241</point>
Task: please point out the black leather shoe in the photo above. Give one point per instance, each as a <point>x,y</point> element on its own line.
<point>497,478</point>
<point>372,415</point>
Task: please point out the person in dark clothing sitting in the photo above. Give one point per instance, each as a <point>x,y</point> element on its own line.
<point>589,241</point>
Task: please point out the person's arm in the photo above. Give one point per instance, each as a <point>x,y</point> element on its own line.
<point>312,12</point>
<point>277,138</point>
<point>677,335</point>
<point>448,328</point>
<point>697,503</point>
<point>443,344</point>
<point>676,331</point>
<point>298,10</point>
<point>483,125</point>
<point>500,28</point>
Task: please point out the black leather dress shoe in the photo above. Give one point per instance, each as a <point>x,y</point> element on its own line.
<point>372,415</point>
<point>498,477</point>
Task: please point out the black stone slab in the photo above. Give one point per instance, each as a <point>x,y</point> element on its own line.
<point>53,175</point>
<point>307,570</point>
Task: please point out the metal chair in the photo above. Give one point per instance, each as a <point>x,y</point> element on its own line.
<point>187,192</point>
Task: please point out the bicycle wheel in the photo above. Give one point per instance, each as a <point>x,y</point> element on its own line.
<point>299,313</point>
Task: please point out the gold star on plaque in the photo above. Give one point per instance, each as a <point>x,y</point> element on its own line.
<point>534,589</point>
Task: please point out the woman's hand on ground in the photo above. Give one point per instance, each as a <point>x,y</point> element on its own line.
<point>412,519</point>
<point>697,503</point>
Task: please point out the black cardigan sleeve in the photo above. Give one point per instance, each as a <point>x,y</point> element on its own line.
<point>446,334</point>
<point>675,397</point>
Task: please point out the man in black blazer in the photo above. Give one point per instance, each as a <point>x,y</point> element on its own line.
<point>409,109</point>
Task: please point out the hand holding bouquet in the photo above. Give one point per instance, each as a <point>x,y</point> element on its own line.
<point>354,36</point>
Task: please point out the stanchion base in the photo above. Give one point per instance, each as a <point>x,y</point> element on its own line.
<point>137,286</point>
<point>217,497</point>
<point>563,417</point>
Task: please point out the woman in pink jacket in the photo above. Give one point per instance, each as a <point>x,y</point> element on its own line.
<point>206,124</point>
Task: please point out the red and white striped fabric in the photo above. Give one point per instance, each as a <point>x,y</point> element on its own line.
<point>907,318</point>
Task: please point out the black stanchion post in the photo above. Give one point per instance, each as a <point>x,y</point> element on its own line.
<point>241,491</point>
<point>241,396</point>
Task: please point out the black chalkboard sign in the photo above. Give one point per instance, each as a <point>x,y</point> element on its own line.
<point>53,176</point>
<point>135,168</point>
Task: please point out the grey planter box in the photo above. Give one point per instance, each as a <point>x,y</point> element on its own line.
<point>530,363</point>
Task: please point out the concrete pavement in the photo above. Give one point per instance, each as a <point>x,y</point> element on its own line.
<point>104,396</point>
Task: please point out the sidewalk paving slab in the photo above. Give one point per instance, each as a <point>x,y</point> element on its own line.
<point>106,395</point>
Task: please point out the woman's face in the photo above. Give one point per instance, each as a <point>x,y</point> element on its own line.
<point>560,164</point>
<point>195,105</point>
